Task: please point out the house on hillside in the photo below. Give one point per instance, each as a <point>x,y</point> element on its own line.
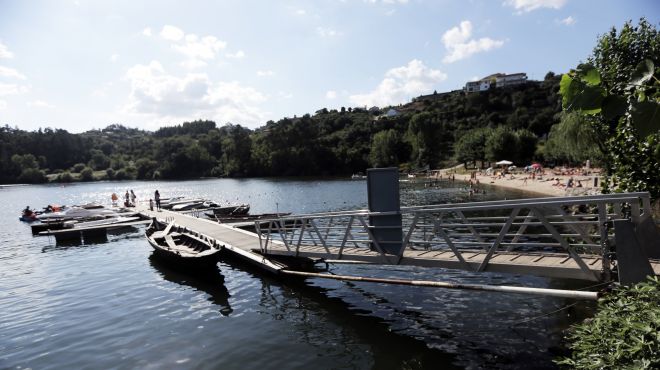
<point>496,80</point>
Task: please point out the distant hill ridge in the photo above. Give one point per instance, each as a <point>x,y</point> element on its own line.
<point>330,142</point>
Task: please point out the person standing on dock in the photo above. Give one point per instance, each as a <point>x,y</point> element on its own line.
<point>127,202</point>
<point>133,198</point>
<point>157,197</point>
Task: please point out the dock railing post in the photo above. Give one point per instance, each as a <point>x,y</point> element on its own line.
<point>383,196</point>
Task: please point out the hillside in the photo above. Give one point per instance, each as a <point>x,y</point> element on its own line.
<point>423,133</point>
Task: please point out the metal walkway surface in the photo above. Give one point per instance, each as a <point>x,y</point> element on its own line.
<point>554,237</point>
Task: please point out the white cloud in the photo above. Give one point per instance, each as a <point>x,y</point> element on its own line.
<point>11,73</point>
<point>114,58</point>
<point>568,21</point>
<point>147,31</point>
<point>161,95</point>
<point>237,55</point>
<point>285,95</point>
<point>327,32</point>
<point>524,6</point>
<point>459,45</point>
<point>171,33</point>
<point>301,12</point>
<point>331,94</point>
<point>198,50</point>
<point>12,89</point>
<point>265,73</point>
<point>4,52</point>
<point>3,104</point>
<point>40,104</point>
<point>400,84</point>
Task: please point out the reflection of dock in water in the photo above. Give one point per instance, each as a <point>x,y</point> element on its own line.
<point>209,281</point>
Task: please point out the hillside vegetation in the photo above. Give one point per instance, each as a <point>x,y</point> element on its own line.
<point>432,131</point>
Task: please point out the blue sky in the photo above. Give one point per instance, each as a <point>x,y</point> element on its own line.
<point>82,64</point>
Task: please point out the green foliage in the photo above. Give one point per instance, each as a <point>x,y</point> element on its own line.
<point>99,160</point>
<point>78,167</point>
<point>87,174</point>
<point>501,144</point>
<point>470,147</point>
<point>619,89</point>
<point>27,161</point>
<point>32,176</point>
<point>624,334</point>
<point>572,140</point>
<point>330,142</point>
<point>386,149</point>
<point>64,177</point>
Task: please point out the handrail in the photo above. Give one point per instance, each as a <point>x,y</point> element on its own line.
<point>534,223</point>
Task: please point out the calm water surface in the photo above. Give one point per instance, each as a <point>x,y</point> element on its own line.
<point>110,305</point>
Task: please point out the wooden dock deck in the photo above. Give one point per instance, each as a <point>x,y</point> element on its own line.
<point>239,242</point>
<point>247,246</point>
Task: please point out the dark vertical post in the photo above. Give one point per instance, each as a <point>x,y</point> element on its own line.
<point>383,196</point>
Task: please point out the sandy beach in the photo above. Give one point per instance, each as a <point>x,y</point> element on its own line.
<point>545,187</point>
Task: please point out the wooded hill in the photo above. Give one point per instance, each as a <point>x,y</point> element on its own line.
<point>432,131</point>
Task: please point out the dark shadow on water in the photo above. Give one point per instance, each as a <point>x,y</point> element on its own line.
<point>209,281</point>
<point>75,243</point>
<point>390,350</point>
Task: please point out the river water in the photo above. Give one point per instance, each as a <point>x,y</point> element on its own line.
<point>110,305</point>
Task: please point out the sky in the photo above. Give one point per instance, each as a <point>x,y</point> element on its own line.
<point>83,64</point>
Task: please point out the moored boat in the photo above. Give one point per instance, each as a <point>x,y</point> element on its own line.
<point>227,219</point>
<point>181,246</point>
<point>232,210</point>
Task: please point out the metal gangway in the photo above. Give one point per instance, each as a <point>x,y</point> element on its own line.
<point>591,238</point>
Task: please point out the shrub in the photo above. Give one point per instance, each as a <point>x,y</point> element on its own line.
<point>625,333</point>
<point>110,173</point>
<point>78,167</point>
<point>121,175</point>
<point>87,174</point>
<point>32,176</point>
<point>64,177</point>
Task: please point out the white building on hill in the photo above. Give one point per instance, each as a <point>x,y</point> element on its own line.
<point>495,80</point>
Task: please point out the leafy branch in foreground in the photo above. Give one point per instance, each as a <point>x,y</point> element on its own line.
<point>625,333</point>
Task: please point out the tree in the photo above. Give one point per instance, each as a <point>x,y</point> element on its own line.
<point>423,136</point>
<point>87,174</point>
<point>386,148</point>
<point>619,93</point>
<point>470,147</point>
<point>501,144</point>
<point>526,145</point>
<point>99,160</point>
<point>573,140</point>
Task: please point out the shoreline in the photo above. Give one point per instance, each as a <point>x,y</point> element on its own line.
<point>544,188</point>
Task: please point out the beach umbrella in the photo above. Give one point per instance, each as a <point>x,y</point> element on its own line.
<point>536,165</point>
<point>504,163</point>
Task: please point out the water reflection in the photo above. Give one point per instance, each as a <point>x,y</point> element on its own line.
<point>364,340</point>
<point>209,281</point>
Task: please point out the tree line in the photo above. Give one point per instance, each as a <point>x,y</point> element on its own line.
<point>430,132</point>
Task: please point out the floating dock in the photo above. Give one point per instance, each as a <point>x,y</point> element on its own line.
<point>77,233</point>
<point>457,242</point>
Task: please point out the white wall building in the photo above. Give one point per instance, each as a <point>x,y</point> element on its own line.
<point>495,80</point>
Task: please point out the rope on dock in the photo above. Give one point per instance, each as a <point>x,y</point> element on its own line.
<point>439,284</point>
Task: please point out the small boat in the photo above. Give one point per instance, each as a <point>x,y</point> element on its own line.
<point>182,246</point>
<point>188,206</point>
<point>233,210</point>
<point>173,203</point>
<point>228,219</point>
